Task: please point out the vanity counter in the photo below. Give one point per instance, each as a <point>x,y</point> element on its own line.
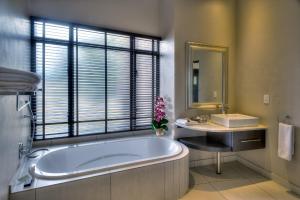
<point>219,139</point>
<point>212,127</point>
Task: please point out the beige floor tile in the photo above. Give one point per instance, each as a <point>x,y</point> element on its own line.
<point>237,182</point>
<point>229,173</point>
<point>256,180</point>
<point>277,191</point>
<point>203,192</point>
<point>248,173</point>
<point>241,190</point>
<point>196,177</point>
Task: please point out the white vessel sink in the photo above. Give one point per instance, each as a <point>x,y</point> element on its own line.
<point>234,120</point>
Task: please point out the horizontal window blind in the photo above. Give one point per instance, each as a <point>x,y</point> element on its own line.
<point>94,80</point>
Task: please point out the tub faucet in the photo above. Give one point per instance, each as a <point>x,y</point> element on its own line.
<point>27,151</point>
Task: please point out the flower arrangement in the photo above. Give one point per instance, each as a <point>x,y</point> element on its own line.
<point>160,121</point>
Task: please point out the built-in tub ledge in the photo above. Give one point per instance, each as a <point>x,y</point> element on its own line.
<point>132,168</point>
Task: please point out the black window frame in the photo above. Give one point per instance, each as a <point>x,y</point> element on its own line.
<point>74,43</point>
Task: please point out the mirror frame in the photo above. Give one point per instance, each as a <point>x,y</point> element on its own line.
<point>208,105</point>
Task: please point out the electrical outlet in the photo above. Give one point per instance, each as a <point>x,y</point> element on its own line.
<point>215,94</point>
<point>266,99</point>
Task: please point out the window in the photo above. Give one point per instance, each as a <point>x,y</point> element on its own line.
<point>93,80</point>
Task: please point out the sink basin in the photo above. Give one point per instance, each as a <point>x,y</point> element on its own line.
<point>234,120</point>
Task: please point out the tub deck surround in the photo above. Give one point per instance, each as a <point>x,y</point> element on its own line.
<point>153,165</point>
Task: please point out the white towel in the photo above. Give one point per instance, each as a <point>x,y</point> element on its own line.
<point>9,77</point>
<point>286,141</point>
<point>17,74</point>
<point>12,80</point>
<point>186,122</point>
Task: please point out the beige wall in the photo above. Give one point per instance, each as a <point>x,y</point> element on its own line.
<point>14,53</point>
<point>167,59</point>
<point>207,21</point>
<point>140,16</point>
<point>268,62</point>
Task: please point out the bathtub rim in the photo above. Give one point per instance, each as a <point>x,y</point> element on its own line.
<point>36,173</point>
<point>15,187</point>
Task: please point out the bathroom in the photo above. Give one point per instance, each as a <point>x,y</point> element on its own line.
<point>259,39</point>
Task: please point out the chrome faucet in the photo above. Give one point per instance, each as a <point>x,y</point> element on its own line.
<point>223,108</point>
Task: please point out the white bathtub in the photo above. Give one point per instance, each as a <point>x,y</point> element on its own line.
<point>85,159</point>
<point>139,168</point>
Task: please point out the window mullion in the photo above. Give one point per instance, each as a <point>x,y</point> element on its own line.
<point>105,63</point>
<point>153,69</point>
<point>71,81</point>
<point>131,82</point>
<point>158,70</point>
<point>44,76</point>
<point>33,69</point>
<point>133,74</point>
<point>77,77</point>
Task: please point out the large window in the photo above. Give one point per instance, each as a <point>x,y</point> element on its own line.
<point>93,80</point>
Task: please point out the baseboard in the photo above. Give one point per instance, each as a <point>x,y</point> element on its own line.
<point>255,167</point>
<point>278,179</point>
<point>210,161</point>
<point>282,181</point>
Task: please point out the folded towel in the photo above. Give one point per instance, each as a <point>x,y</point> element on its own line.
<point>13,80</point>
<point>17,77</point>
<point>286,141</point>
<point>17,71</point>
<point>20,89</point>
<point>186,122</point>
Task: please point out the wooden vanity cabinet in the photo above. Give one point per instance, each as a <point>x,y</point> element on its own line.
<point>230,141</point>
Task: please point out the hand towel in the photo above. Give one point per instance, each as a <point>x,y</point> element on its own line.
<point>186,122</point>
<point>285,141</point>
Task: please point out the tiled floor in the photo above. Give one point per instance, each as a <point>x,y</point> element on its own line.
<point>236,183</point>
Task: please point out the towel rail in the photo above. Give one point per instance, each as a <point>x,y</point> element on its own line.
<point>26,150</point>
<point>27,103</point>
<point>286,119</point>
<point>20,107</point>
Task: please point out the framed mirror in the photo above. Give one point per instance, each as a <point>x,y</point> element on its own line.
<point>206,76</point>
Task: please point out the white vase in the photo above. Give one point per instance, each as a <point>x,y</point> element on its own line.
<point>160,132</point>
